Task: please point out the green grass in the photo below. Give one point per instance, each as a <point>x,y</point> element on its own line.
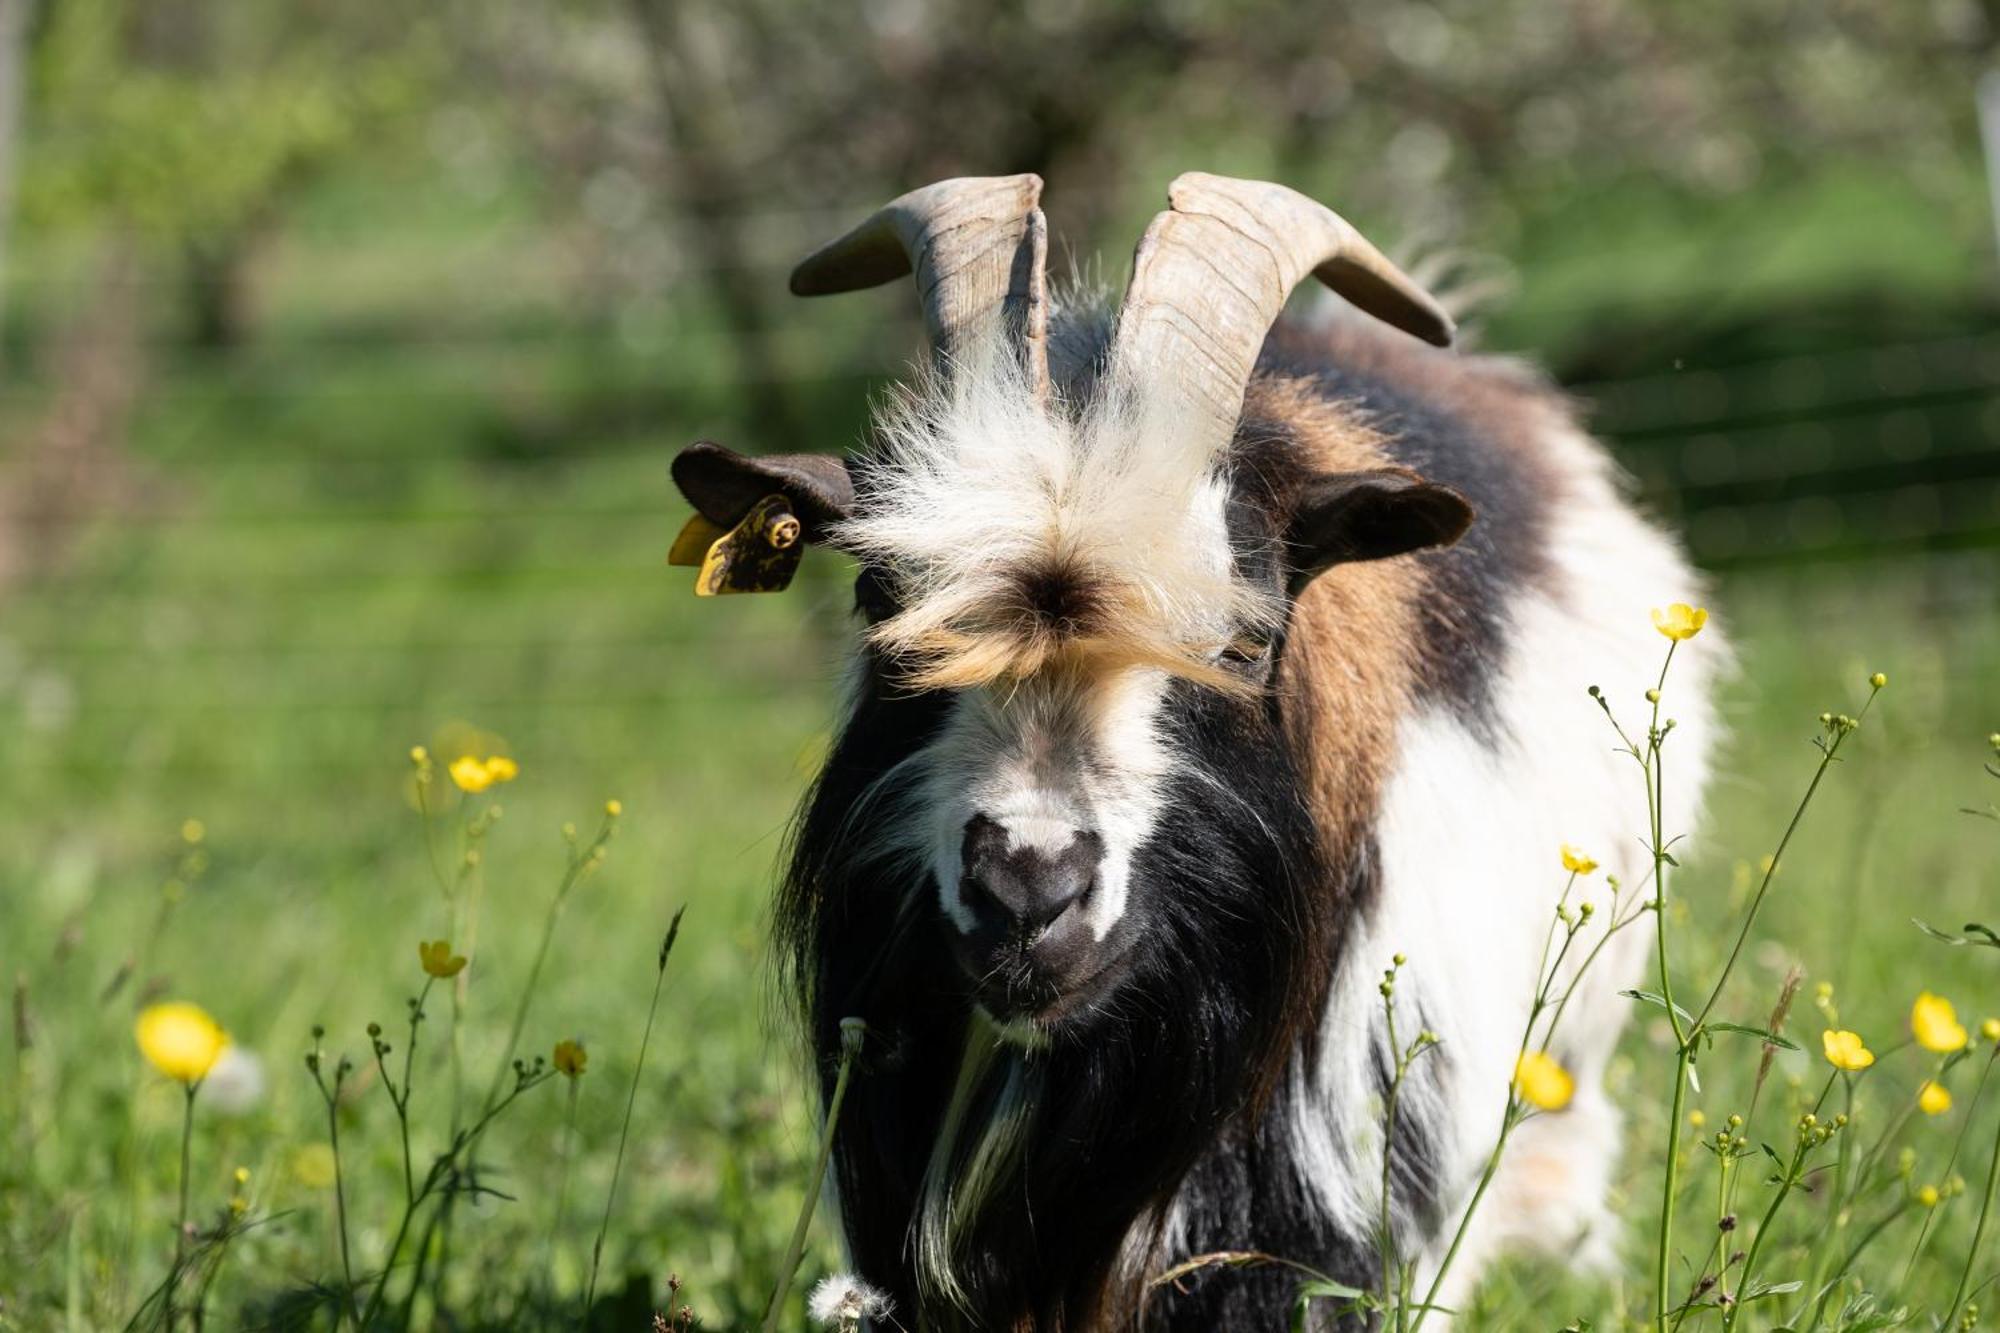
<point>343,550</point>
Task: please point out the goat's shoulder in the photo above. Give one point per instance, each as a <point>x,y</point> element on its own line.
<point>1353,393</point>
<point>1348,395</point>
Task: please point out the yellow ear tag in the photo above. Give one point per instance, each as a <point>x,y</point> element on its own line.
<point>759,554</point>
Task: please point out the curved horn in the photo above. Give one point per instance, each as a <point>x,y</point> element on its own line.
<point>1214,270</point>
<point>977,244</point>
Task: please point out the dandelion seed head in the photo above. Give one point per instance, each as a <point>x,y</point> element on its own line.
<point>235,1084</point>
<point>841,1300</point>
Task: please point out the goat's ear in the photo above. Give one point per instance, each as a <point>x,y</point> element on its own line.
<point>754,516</point>
<point>1344,516</point>
<point>724,486</point>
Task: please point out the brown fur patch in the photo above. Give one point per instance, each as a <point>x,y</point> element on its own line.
<point>1350,661</point>
<point>1051,619</point>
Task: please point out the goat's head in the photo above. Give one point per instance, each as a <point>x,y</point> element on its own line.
<point>1064,766</point>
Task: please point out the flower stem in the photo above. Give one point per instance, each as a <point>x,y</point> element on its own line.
<point>852,1033</point>
<point>562,1187</point>
<point>1827,753</point>
<point>181,1217</point>
<point>1492,1168</point>
<point>1957,1145</point>
<point>631,1099</point>
<point>340,1201</point>
<point>1978,1233</point>
<point>442,1168</point>
<point>1664,1249</point>
<point>579,863</point>
<point>1389,1159</point>
<point>1847,1263</point>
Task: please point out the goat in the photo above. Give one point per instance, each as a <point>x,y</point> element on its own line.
<point>1187,692</point>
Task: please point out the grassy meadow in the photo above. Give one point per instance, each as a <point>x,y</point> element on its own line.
<point>389,521</point>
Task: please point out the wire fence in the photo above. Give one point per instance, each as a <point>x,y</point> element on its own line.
<point>341,537</point>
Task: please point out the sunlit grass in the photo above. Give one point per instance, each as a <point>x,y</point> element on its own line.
<point>303,898</point>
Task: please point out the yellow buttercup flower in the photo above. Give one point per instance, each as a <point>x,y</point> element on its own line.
<point>1680,621</point>
<point>1933,1098</point>
<point>1844,1050</point>
<point>473,774</point>
<point>438,959</point>
<point>570,1057</point>
<point>1935,1024</point>
<point>1928,1196</point>
<point>1990,1029</point>
<point>1543,1082</point>
<point>180,1040</point>
<point>1576,862</point>
<point>470,774</point>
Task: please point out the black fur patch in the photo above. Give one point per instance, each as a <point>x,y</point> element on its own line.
<point>1171,1083</point>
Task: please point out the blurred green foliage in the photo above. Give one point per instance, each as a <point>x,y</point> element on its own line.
<point>190,120</point>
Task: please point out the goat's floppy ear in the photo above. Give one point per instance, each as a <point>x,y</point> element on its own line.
<point>723,485</point>
<point>1344,516</point>
<point>754,516</point>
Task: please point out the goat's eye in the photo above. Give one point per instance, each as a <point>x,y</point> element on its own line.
<point>1246,649</point>
<point>872,597</point>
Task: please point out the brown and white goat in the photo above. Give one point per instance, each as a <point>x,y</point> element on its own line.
<point>1204,666</point>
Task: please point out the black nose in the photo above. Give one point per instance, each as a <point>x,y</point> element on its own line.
<point>1022,890</point>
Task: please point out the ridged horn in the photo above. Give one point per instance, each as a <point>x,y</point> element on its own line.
<point>978,246</point>
<point>1214,270</point>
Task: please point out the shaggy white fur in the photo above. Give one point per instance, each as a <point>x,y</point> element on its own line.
<point>1469,836</point>
<point>974,490</point>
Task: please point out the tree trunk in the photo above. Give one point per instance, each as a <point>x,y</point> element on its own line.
<point>712,187</point>
<point>14,15</point>
<point>219,298</point>
<point>69,466</point>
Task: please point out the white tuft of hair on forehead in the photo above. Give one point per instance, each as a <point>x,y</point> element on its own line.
<point>974,491</point>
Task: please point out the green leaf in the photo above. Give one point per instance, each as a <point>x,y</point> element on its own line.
<point>1318,1290</point>
<point>1770,1037</point>
<point>1649,997</point>
<point>1988,939</point>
